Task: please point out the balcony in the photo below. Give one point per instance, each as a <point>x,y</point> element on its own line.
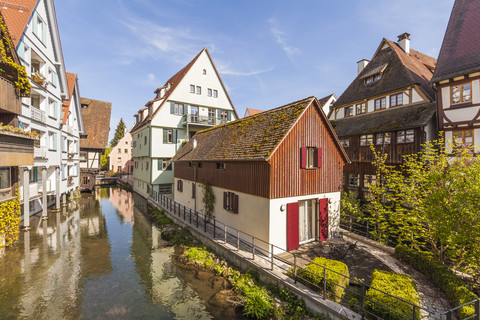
<point>9,100</point>
<point>38,115</point>
<point>16,148</point>
<point>40,152</point>
<point>6,194</point>
<point>194,119</point>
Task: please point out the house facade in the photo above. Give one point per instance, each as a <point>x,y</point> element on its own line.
<point>390,105</point>
<point>193,99</point>
<point>275,175</point>
<point>121,155</point>
<point>457,77</point>
<point>35,33</point>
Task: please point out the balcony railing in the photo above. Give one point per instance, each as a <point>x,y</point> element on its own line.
<point>40,152</point>
<point>38,115</point>
<point>202,120</point>
<point>5,194</point>
<point>49,187</point>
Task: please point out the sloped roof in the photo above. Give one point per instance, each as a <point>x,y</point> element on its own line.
<point>460,52</point>
<point>252,112</point>
<point>17,15</point>
<point>398,69</point>
<point>4,42</point>
<point>71,80</point>
<point>400,118</point>
<point>96,121</point>
<point>174,81</point>
<point>251,138</point>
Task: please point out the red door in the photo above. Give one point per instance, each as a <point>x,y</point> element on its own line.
<point>292,226</point>
<point>323,220</point>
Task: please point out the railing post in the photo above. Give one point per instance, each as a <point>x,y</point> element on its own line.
<point>367,229</point>
<point>205,224</point>
<point>271,257</point>
<point>449,315</point>
<point>184,209</point>
<point>190,215</point>
<point>295,268</point>
<point>324,283</point>
<point>214,227</point>
<point>238,240</point>
<point>196,214</point>
<point>253,248</point>
<point>225,233</point>
<point>413,317</point>
<point>363,301</point>
<point>477,309</point>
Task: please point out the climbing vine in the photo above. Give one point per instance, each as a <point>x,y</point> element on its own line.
<point>208,199</point>
<point>22,83</point>
<point>10,216</point>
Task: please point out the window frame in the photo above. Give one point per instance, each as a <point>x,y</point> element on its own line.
<point>402,136</point>
<point>354,180</point>
<point>192,88</point>
<point>394,100</point>
<point>381,138</point>
<point>209,92</point>
<point>198,90</point>
<point>361,108</point>
<point>365,139</point>
<point>348,112</point>
<point>463,145</point>
<point>461,93</point>
<point>381,106</point>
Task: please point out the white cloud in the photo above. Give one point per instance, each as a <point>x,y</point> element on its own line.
<point>151,77</point>
<point>229,71</point>
<point>281,38</point>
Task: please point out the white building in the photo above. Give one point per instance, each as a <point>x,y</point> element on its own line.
<point>195,98</point>
<point>34,30</point>
<point>121,154</point>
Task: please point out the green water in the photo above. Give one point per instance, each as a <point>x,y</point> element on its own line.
<point>100,258</point>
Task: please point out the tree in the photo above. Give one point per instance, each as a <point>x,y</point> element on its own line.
<point>104,159</point>
<point>119,133</point>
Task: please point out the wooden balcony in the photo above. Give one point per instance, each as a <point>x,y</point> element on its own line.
<point>16,149</point>
<point>9,101</point>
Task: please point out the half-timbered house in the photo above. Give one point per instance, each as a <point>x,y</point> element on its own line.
<point>276,175</point>
<point>457,77</point>
<point>390,105</point>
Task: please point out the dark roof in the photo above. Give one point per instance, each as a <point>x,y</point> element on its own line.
<point>398,70</point>
<point>324,100</point>
<point>400,118</point>
<point>96,120</point>
<point>460,52</point>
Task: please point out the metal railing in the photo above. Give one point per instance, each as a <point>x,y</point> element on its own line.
<point>202,120</point>
<point>38,115</point>
<point>365,229</point>
<point>40,152</point>
<point>286,262</point>
<point>450,314</point>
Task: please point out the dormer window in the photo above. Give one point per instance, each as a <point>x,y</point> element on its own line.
<point>348,112</point>
<point>373,78</point>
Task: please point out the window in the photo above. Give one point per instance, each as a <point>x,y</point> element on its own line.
<point>125,150</point>
<point>169,136</point>
<point>369,180</point>
<point>373,78</point>
<point>211,116</point>
<point>64,144</point>
<point>204,72</point>
<point>368,80</point>
<point>200,165</point>
<point>463,138</point>
<point>136,165</point>
<point>220,165</point>
<point>209,92</point>
<point>377,77</point>
<point>461,93</point>
<point>53,112</point>
<point>52,77</point>
<point>34,174</point>
<point>348,112</point>
<point>119,150</point>
<point>199,90</point>
<point>52,141</point>
<point>145,140</point>
<point>39,28</point>
<point>146,165</point>
<point>366,139</point>
<point>353,179</point>
<point>192,88</point>
<point>120,159</point>
<point>405,136</point>
<point>164,164</point>
<point>193,190</point>
<point>224,115</point>
<point>310,157</point>
<point>380,103</point>
<point>165,188</point>
<point>84,106</point>
<point>396,100</point>
<point>177,109</point>
<point>83,156</point>
<point>215,93</point>
<point>180,185</point>
<point>383,138</point>
<point>5,177</point>
<point>345,142</point>
<point>361,108</point>
<point>64,172</point>
<point>230,202</point>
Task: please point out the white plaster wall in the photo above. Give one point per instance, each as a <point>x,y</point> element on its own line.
<point>370,106</point>
<point>476,139</point>
<point>340,113</point>
<point>446,97</point>
<point>476,91</point>
<point>165,150</point>
<point>461,114</point>
<point>448,140</point>
<point>141,148</point>
<point>416,97</point>
<point>164,118</point>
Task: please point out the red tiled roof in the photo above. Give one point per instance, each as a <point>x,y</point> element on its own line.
<point>252,112</point>
<point>96,120</point>
<point>71,80</point>
<point>460,52</point>
<point>17,21</point>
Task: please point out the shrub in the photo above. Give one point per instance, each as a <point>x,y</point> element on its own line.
<point>397,285</point>
<point>337,276</point>
<point>453,286</point>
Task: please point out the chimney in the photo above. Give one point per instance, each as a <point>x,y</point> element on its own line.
<point>361,65</point>
<point>404,42</point>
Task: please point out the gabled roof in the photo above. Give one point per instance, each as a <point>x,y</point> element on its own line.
<point>17,15</point>
<point>398,70</point>
<point>324,100</point>
<point>251,138</point>
<point>460,52</point>
<point>174,81</point>
<point>251,112</point>
<point>96,121</point>
<point>71,80</point>
<point>399,118</point>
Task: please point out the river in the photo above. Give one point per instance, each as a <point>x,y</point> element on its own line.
<point>100,258</point>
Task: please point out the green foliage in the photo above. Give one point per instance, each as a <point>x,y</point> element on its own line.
<point>397,285</point>
<point>337,276</point>
<point>293,308</point>
<point>10,215</point>
<point>208,199</point>
<point>119,133</point>
<point>104,158</point>
<point>441,275</point>
<point>431,201</point>
<point>161,218</point>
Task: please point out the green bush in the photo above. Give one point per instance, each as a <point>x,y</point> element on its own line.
<point>397,285</point>
<point>453,286</point>
<point>337,276</point>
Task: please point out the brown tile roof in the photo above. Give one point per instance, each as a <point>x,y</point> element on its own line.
<point>400,118</point>
<point>71,80</point>
<point>16,20</point>
<point>96,120</point>
<point>460,52</point>
<point>12,53</point>
<point>252,112</point>
<point>174,81</point>
<point>400,71</point>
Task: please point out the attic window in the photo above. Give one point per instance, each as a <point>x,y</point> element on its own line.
<point>84,106</point>
<point>373,78</point>
<point>204,71</point>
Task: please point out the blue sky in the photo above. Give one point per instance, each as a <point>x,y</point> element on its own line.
<point>268,53</point>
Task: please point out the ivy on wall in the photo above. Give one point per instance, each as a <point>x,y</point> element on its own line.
<point>10,216</point>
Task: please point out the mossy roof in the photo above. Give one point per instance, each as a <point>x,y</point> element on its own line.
<point>250,138</point>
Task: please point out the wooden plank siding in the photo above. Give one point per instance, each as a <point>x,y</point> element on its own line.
<point>250,177</point>
<point>287,179</point>
<point>9,101</point>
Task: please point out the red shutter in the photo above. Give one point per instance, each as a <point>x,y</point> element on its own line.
<point>319,158</point>
<point>323,219</point>
<point>235,203</point>
<point>225,200</point>
<point>303,157</point>
<point>292,226</point>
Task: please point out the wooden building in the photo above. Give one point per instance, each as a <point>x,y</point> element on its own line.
<point>457,77</point>
<point>390,105</point>
<point>276,175</point>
